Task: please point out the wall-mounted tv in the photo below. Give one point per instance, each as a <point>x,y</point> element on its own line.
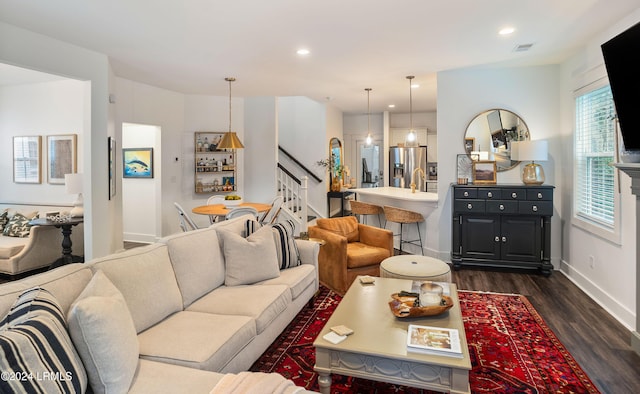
<point>620,58</point>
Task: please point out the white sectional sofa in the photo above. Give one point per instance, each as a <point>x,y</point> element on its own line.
<point>189,327</point>
<point>41,248</point>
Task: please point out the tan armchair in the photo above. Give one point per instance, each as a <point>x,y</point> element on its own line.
<point>351,249</point>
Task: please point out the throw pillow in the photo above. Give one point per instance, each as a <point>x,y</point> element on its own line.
<point>286,248</point>
<point>4,219</point>
<point>36,353</point>
<point>18,226</point>
<point>102,329</point>
<point>248,260</point>
<point>346,226</point>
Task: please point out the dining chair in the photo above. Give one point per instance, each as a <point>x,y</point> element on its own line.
<point>186,223</point>
<point>241,211</point>
<point>213,200</point>
<point>271,215</point>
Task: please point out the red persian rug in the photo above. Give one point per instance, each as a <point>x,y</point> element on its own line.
<point>512,350</point>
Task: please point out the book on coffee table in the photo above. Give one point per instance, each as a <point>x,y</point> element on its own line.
<point>434,340</point>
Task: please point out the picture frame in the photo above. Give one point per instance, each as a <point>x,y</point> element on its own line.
<point>469,144</point>
<point>27,158</point>
<point>111,155</point>
<point>484,172</point>
<point>61,157</point>
<point>464,166</point>
<point>137,163</point>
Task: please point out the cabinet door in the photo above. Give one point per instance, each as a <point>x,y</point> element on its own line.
<point>398,136</point>
<point>521,238</point>
<point>479,237</point>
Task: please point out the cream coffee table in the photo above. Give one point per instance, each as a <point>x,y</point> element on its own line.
<point>377,350</point>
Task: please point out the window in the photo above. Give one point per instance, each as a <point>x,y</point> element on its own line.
<point>595,183</point>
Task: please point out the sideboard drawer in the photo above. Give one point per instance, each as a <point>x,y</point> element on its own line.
<point>470,206</point>
<point>466,192</point>
<point>502,206</point>
<point>541,208</point>
<point>489,194</point>
<point>540,194</point>
<point>513,194</point>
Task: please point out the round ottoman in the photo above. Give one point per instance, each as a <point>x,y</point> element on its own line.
<point>415,267</point>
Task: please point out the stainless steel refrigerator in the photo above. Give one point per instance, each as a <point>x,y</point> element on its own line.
<point>402,162</point>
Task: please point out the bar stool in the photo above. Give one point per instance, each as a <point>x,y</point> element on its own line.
<point>364,208</point>
<point>403,216</point>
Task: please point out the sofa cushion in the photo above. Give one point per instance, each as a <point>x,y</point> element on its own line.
<point>346,226</point>
<point>34,342</point>
<point>146,279</point>
<point>197,340</point>
<point>10,251</point>
<point>102,330</point>
<point>248,260</point>
<point>18,226</point>
<point>197,261</point>
<point>65,283</point>
<point>297,279</point>
<point>155,377</point>
<point>262,303</point>
<point>286,248</point>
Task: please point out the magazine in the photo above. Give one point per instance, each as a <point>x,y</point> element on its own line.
<point>434,340</point>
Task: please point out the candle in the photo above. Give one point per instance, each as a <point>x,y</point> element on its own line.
<point>430,294</point>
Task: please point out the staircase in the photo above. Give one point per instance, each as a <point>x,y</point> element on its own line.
<point>294,192</point>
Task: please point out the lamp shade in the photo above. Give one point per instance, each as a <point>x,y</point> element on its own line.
<point>73,183</point>
<point>529,150</point>
<point>230,140</point>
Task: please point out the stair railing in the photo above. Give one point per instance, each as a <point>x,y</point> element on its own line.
<point>294,192</point>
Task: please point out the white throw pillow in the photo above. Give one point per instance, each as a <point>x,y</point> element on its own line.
<point>102,329</point>
<point>249,260</point>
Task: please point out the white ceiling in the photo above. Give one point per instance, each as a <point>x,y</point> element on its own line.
<point>190,46</point>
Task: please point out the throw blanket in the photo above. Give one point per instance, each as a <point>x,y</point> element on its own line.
<point>255,383</point>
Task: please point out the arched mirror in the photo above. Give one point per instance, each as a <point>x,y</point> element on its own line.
<point>335,147</point>
<point>489,136</point>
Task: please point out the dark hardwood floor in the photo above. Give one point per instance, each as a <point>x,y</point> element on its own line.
<point>598,342</point>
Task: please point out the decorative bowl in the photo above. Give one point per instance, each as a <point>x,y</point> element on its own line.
<point>403,306</point>
<point>232,203</point>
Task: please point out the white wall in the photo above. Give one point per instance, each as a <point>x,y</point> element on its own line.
<point>261,148</point>
<point>40,109</point>
<point>141,197</point>
<point>25,49</point>
<point>612,280</point>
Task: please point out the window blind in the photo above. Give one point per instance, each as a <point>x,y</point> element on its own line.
<point>594,150</point>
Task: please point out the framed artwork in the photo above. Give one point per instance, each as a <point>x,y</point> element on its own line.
<point>137,163</point>
<point>111,154</point>
<point>62,157</point>
<point>464,166</point>
<point>469,144</point>
<point>484,172</point>
<point>27,154</point>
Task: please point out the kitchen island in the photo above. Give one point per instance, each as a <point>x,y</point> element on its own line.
<point>422,202</point>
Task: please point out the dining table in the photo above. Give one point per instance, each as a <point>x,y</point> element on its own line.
<point>220,210</point>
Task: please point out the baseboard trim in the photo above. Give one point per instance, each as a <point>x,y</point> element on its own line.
<point>144,238</point>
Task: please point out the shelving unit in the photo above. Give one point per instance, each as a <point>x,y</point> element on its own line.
<point>215,169</point>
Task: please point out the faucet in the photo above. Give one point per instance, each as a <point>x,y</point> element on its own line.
<point>413,178</point>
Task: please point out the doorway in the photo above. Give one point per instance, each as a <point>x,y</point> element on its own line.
<point>142,196</point>
<point>369,164</point>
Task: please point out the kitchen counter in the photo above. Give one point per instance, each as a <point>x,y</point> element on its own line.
<point>397,193</point>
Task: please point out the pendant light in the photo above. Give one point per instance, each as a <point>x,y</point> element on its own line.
<point>230,140</point>
<point>412,140</point>
<point>369,137</point>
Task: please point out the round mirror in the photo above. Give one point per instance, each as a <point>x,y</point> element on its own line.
<point>489,136</point>
<point>335,147</point>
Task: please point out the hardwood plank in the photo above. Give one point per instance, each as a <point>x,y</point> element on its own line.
<point>598,342</point>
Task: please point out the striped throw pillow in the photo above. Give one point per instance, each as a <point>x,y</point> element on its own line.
<point>286,248</point>
<point>36,353</point>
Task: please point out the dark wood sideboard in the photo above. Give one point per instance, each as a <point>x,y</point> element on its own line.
<point>504,226</point>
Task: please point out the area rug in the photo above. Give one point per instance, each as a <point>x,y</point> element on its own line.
<point>512,350</point>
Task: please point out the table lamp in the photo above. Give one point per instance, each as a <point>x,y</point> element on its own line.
<point>73,184</point>
<point>532,173</point>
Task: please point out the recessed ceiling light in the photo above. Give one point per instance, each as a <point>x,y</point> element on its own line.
<point>303,51</point>
<point>392,105</point>
<point>506,31</point>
